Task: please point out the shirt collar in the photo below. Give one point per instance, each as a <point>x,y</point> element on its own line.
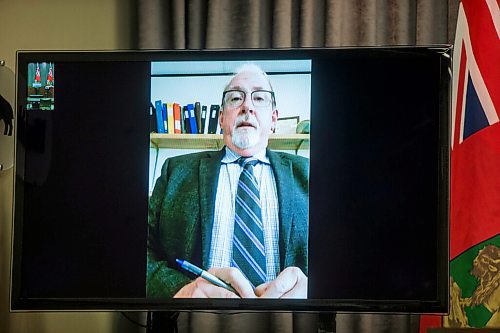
<point>232,157</point>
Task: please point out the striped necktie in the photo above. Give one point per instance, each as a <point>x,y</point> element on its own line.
<point>248,240</point>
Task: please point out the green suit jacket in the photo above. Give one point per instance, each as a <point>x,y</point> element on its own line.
<point>181,214</point>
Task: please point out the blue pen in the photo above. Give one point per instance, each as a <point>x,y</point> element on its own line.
<point>206,275</point>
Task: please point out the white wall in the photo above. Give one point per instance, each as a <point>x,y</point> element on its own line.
<point>54,25</point>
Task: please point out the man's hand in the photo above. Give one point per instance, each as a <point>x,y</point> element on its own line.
<point>201,288</point>
<point>291,283</point>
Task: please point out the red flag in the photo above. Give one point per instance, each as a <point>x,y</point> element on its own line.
<point>37,74</point>
<point>475,169</point>
<point>50,77</point>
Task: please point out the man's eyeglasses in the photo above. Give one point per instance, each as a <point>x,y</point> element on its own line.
<point>260,98</point>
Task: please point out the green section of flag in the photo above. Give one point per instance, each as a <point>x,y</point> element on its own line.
<point>460,269</point>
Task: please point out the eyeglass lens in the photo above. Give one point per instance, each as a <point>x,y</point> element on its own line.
<point>260,98</point>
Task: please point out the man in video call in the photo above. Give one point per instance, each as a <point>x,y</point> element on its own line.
<point>241,213</point>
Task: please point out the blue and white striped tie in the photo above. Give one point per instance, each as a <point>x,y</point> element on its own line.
<point>248,244</point>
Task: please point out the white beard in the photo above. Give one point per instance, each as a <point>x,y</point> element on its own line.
<point>245,137</point>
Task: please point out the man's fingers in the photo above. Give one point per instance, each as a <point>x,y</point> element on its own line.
<point>299,291</point>
<point>261,289</point>
<point>290,278</point>
<point>236,279</point>
<point>212,291</point>
<point>200,288</point>
<point>281,285</point>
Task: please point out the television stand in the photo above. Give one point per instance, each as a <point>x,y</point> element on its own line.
<point>162,322</point>
<point>166,322</point>
<point>327,322</point>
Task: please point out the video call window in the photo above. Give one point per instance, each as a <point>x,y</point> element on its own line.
<point>40,86</point>
<point>187,100</point>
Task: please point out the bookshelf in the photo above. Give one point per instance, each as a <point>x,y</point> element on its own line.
<point>294,142</point>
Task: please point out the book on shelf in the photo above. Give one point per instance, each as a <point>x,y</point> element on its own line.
<point>159,117</point>
<point>204,121</point>
<point>152,118</point>
<point>170,118</point>
<point>214,119</point>
<point>177,118</point>
<point>197,113</point>
<point>192,119</point>
<point>186,119</point>
<point>164,117</point>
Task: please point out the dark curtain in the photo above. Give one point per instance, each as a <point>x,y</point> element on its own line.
<point>209,24</point>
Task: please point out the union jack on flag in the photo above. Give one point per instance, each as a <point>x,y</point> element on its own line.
<point>476,68</point>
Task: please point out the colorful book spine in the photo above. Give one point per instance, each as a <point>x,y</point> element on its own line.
<point>170,118</point>
<point>164,117</point>
<point>177,118</point>
<point>159,117</point>
<point>192,119</point>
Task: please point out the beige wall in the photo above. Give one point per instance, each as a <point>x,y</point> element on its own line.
<point>49,25</point>
<point>63,24</point>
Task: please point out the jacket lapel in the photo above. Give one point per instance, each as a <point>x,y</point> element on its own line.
<point>208,176</point>
<point>282,169</point>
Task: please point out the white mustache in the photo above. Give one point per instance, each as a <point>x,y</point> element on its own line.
<point>246,119</point>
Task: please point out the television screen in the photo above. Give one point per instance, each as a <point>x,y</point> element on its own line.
<point>312,179</point>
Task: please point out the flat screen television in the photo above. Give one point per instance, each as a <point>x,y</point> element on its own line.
<point>116,183</point>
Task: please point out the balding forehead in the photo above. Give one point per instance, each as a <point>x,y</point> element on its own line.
<point>250,80</point>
